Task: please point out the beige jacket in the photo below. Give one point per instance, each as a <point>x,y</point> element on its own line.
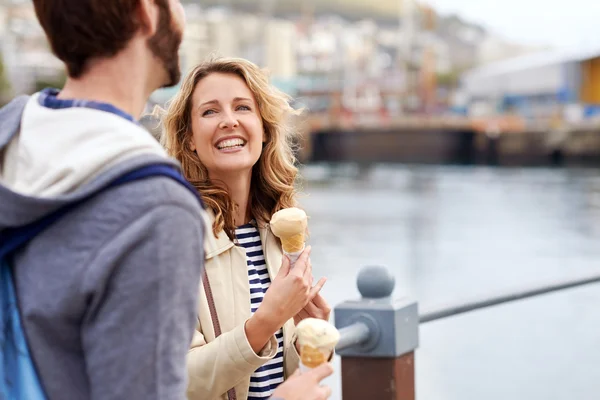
<point>217,365</point>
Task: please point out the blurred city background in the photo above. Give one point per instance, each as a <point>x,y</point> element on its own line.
<point>403,81</point>
<point>456,142</point>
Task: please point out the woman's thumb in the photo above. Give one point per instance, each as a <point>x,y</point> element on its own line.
<point>285,267</point>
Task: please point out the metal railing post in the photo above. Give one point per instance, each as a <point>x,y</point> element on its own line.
<point>378,337</point>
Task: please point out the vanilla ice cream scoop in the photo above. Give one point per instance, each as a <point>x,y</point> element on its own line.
<point>316,332</point>
<point>317,339</point>
<point>289,225</point>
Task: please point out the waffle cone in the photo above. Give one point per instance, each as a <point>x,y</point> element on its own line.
<point>293,244</point>
<point>311,357</point>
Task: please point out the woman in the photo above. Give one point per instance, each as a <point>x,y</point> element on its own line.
<point>227,126</point>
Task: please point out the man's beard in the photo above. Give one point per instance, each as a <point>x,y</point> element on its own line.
<point>165,43</point>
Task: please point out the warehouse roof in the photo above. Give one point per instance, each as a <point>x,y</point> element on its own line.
<point>529,61</point>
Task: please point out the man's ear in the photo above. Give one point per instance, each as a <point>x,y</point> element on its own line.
<point>148,16</point>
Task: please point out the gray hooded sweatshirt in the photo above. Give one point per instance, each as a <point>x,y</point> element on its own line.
<point>108,293</point>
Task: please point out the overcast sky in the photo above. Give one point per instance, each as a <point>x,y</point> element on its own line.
<point>571,23</point>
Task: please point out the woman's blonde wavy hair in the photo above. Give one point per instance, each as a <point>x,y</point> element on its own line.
<point>273,176</point>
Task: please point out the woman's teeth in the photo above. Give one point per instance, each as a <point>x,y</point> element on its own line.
<point>225,144</point>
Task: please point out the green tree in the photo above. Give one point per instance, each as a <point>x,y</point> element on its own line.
<point>449,79</point>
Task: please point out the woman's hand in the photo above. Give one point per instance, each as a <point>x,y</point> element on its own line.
<point>305,386</point>
<point>288,294</point>
<point>317,307</point>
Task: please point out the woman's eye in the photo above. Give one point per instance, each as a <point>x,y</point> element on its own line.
<point>208,112</point>
<point>244,108</point>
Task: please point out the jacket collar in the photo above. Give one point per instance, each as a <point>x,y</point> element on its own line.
<point>216,246</point>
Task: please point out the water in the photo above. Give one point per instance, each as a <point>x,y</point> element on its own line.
<point>451,233</point>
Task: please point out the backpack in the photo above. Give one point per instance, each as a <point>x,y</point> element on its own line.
<point>18,376</point>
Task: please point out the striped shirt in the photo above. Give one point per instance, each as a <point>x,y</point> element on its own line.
<point>266,378</point>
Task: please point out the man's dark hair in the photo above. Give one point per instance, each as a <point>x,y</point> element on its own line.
<point>81,30</point>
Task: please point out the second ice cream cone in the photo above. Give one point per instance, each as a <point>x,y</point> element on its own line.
<point>312,357</point>
<point>317,339</point>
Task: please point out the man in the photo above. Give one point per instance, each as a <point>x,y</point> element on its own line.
<point>107,294</point>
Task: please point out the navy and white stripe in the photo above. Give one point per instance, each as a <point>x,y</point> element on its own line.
<point>266,378</point>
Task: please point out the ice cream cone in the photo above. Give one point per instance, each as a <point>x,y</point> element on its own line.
<point>317,339</point>
<point>312,357</point>
<point>293,244</point>
<point>289,225</point>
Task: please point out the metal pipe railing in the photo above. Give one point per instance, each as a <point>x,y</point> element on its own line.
<point>358,333</point>
<point>353,335</point>
<point>513,295</point>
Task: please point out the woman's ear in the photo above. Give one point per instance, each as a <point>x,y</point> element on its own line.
<point>191,144</point>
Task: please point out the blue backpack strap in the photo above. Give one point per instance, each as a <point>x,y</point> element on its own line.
<point>12,239</point>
